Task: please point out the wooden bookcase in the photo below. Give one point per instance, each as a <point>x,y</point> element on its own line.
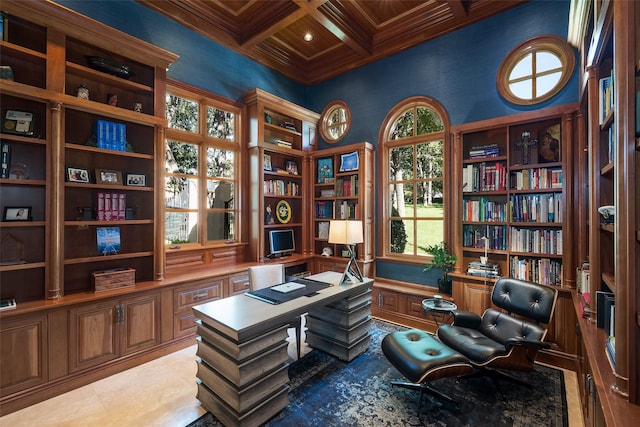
<point>281,136</point>
<point>609,50</point>
<point>55,253</point>
<point>514,197</point>
<point>343,188</point>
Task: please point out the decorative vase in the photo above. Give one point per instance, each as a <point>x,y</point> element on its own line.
<point>444,285</point>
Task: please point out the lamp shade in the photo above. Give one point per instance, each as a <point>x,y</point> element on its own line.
<point>345,232</point>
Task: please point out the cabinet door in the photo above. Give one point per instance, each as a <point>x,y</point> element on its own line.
<point>238,283</point>
<point>93,335</point>
<point>24,352</point>
<point>476,298</point>
<point>140,323</point>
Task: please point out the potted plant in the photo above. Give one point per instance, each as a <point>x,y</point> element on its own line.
<point>443,260</point>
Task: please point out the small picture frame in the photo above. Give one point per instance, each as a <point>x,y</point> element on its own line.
<point>136,180</point>
<point>349,162</point>
<point>292,167</point>
<point>266,162</point>
<point>78,175</point>
<point>325,170</point>
<point>110,177</point>
<point>18,213</point>
<point>549,145</point>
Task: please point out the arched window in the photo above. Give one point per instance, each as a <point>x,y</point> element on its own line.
<point>413,161</point>
<point>535,70</point>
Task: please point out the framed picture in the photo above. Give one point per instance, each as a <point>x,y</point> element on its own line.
<point>136,179</point>
<point>349,162</point>
<point>283,211</point>
<point>292,167</point>
<point>104,176</point>
<point>108,239</point>
<point>266,162</point>
<point>549,145</point>
<point>325,170</point>
<point>78,175</point>
<point>20,213</point>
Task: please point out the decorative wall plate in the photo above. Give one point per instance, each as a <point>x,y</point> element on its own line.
<point>283,211</point>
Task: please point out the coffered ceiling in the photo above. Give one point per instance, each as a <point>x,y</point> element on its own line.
<point>346,33</point>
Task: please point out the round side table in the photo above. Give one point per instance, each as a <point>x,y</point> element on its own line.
<point>438,311</point>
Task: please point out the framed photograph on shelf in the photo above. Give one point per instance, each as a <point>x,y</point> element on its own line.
<point>349,162</point>
<point>20,213</point>
<point>266,162</point>
<point>136,180</point>
<point>292,167</point>
<point>108,240</point>
<point>78,175</point>
<point>549,145</point>
<point>105,176</point>
<point>325,170</point>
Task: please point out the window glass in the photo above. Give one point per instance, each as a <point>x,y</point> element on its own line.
<point>200,170</point>
<point>182,113</point>
<point>536,70</point>
<point>415,153</point>
<point>335,121</point>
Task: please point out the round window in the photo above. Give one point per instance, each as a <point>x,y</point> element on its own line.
<point>335,121</point>
<point>535,70</point>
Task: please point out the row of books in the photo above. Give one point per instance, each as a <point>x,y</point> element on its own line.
<point>6,160</point>
<point>583,278</point>
<point>111,206</point>
<point>473,236</point>
<point>477,268</point>
<point>347,210</point>
<point>279,187</point>
<point>347,187</point>
<point>536,208</point>
<point>484,177</point>
<point>324,209</point>
<point>536,179</point>
<point>484,151</point>
<point>540,241</point>
<point>483,210</point>
<point>111,136</point>
<point>606,319</point>
<point>540,270</point>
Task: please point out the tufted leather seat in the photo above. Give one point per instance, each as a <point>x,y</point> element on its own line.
<point>498,339</point>
<point>421,358</point>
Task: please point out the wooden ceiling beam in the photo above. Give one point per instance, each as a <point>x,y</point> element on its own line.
<point>458,9</point>
<point>346,29</point>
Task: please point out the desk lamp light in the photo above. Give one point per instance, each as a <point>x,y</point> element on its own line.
<point>348,233</point>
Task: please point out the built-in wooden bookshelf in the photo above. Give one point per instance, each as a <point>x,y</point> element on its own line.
<point>511,179</point>
<point>281,137</point>
<point>609,366</point>
<point>343,189</point>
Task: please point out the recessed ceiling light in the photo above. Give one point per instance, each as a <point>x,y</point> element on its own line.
<point>308,37</point>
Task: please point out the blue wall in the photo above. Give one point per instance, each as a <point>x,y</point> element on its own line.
<point>458,70</point>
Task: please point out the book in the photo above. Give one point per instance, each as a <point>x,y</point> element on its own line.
<point>6,160</point>
<point>108,240</point>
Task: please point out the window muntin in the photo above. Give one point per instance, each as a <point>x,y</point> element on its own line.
<point>200,169</point>
<point>535,70</point>
<point>414,162</point>
<point>335,121</point>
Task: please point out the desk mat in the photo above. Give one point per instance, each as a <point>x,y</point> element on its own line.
<point>275,297</point>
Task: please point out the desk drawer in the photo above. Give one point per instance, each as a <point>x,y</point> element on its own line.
<point>187,297</point>
<point>239,283</point>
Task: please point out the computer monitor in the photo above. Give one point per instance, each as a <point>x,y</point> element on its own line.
<point>281,242</point>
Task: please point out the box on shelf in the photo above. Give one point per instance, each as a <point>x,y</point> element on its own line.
<point>115,278</point>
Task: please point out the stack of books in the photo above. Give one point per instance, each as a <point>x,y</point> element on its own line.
<point>484,151</point>
<point>476,268</point>
<point>283,143</point>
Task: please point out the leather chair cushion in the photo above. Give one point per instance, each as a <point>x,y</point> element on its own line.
<point>472,343</point>
<point>421,357</point>
<point>524,298</point>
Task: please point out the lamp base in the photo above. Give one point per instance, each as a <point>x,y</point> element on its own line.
<point>352,272</point>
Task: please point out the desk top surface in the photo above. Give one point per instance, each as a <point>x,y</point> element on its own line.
<point>241,316</point>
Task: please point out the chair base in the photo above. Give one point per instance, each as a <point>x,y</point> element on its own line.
<point>424,388</point>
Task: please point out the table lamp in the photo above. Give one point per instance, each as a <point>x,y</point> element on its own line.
<point>348,233</point>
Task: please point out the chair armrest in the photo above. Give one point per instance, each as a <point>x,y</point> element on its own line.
<point>466,319</point>
<point>539,345</point>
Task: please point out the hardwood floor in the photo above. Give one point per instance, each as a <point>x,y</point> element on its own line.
<point>158,393</point>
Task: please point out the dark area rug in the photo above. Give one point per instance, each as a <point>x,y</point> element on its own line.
<point>328,392</point>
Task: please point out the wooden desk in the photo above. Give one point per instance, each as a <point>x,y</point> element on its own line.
<point>243,367</point>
